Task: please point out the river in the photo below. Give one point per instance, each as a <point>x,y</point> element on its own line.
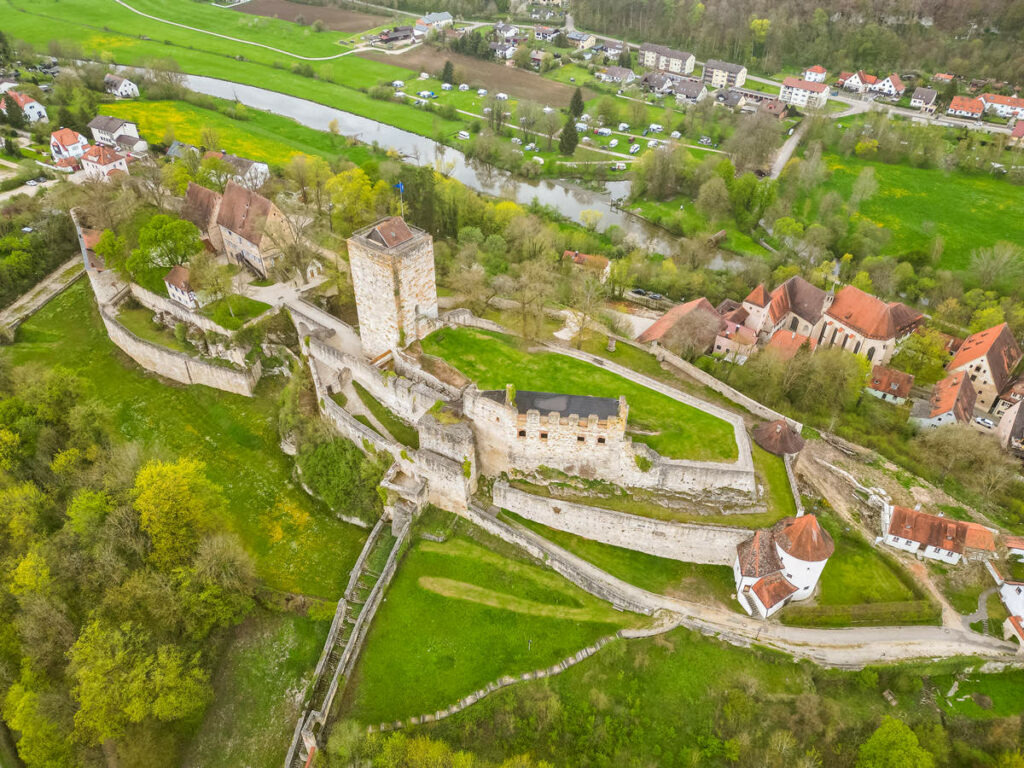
<point>567,199</point>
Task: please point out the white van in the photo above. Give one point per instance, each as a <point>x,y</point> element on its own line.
<point>604,131</point>
<point>656,128</point>
<point>481,92</point>
<point>634,149</point>
<point>623,126</point>
<point>613,143</point>
<point>463,87</point>
<point>463,135</point>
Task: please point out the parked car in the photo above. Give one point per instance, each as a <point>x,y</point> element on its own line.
<point>986,423</point>
<point>653,144</point>
<point>463,135</point>
<point>655,296</point>
<point>31,183</point>
<point>424,76</point>
<point>639,292</point>
<point>531,147</point>
<point>705,140</point>
<point>646,131</point>
<point>656,128</point>
<point>634,149</point>
<point>620,166</point>
<point>623,126</point>
<point>427,95</point>
<point>613,143</point>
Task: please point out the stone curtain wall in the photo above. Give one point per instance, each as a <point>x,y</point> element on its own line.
<point>691,543</point>
<point>179,366</point>
<point>158,303</point>
<point>314,317</point>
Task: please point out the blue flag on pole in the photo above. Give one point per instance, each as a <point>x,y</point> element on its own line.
<point>400,187</point>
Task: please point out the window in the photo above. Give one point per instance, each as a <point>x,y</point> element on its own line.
<point>522,433</point>
<point>580,439</point>
<point>543,435</point>
<point>600,441</point>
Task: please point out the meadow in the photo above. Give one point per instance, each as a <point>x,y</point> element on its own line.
<point>298,546</point>
<point>968,211</point>
<point>462,613</point>
<point>493,360</point>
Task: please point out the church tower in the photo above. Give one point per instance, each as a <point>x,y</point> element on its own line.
<point>392,267</point>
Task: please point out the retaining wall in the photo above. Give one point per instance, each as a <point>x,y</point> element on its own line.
<point>178,366</point>
<point>158,303</point>
<point>691,543</point>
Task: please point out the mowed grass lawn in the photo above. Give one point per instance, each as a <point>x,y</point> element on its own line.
<point>258,692</point>
<point>297,545</point>
<point>262,136</point>
<point>968,211</point>
<point>460,615</point>
<point>691,581</point>
<point>494,360</point>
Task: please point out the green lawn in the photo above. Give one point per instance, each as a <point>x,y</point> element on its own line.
<point>459,615</point>
<point>968,211</point>
<point>493,360</point>
<point>692,581</point>
<point>1005,692</point>
<point>257,692</point>
<point>139,321</point>
<point>399,430</point>
<point>771,470</point>
<point>297,545</point>
<point>680,214</point>
<point>232,312</point>
<point>260,136</point>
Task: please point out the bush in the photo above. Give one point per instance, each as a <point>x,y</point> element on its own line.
<point>339,473</point>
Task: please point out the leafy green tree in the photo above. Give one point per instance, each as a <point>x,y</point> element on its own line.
<point>986,317</point>
<point>576,105</point>
<point>893,745</point>
<point>14,114</point>
<point>42,741</point>
<point>176,505</point>
<point>113,249</point>
<point>924,355</point>
<point>164,242</point>
<point>863,281</point>
<point>448,72</point>
<point>568,139</point>
<point>87,511</point>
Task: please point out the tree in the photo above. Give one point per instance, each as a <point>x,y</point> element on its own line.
<point>864,187</point>
<point>550,122</point>
<point>164,242</point>
<point>923,355</point>
<point>14,113</point>
<point>893,745</point>
<point>608,110</point>
<point>863,281</point>
<point>211,278</point>
<point>1002,263</point>
<point>448,72</point>
<point>113,250</point>
<point>588,295</point>
<point>713,199</point>
<point>693,334</point>
<point>177,504</point>
<point>755,140</point>
<point>576,105</point>
<point>986,317</point>
<point>626,57</point>
<point>528,113</point>
<point>568,139</point>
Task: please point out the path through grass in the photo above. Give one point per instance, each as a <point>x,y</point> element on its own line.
<point>493,360</point>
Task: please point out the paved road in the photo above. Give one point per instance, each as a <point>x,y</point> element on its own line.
<point>24,190</point>
<point>786,150</point>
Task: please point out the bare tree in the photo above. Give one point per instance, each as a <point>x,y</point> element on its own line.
<point>588,295</point>
<point>693,334</point>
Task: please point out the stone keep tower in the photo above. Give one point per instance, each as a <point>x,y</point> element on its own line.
<point>392,268</point>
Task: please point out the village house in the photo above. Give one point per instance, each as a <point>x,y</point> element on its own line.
<point>202,207</point>
<point>942,78</point>
<point>248,223</point>
<point>666,59</point>
<point>1010,430</point>
<point>795,305</point>
<point>780,564</point>
<point>890,86</point>
<point>803,93</point>
<point>612,48</point>
<point>249,173</point>
<point>924,99</point>
<point>667,321</point>
<point>121,87</point>
<point>815,74</point>
<point>1012,394</point>
<point>179,288</point>
<point>1015,546</point>
<point>889,384</point>
<point>952,402</point>
<point>617,75</point>
<point>731,98</point>
<point>785,344</point>
<point>988,358</point>
<point>34,111</point>
<point>723,74</point>
<point>581,41</point>
<point>1012,594</point>
<point>597,265</point>
<point>438,20</point>
<point>964,106</point>
<point>1004,106</point>
<point>858,82</point>
<point>734,342</point>
<point>397,35</point>
<point>99,162</point>
<point>1017,134</point>
<point>935,537</point>
<point>865,325</point>
<point>503,31</point>
<point>66,146</point>
<point>689,90</point>
<point>107,130</point>
<point>546,34</point>
<point>504,51</point>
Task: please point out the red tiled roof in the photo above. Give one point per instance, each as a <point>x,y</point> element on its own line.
<point>662,325</point>
<point>1018,626</point>
<point>866,78</point>
<point>942,76</point>
<point>21,99</point>
<point>757,555</point>
<point>738,333</point>
<point>804,85</point>
<point>844,76</point>
<point>890,381</point>
<point>998,345</point>
<point>90,237</point>
<point>586,259</point>
<point>772,589</point>
<point>966,104</point>
<point>178,277</point>
<point>788,343</point>
<point>65,137</point>
<point>391,232</point>
<point>101,155</point>
<point>817,68</point>
<point>1006,101</point>
<point>1018,130</point>
<point>940,532</point>
<point>1014,542</point>
<point>804,538</point>
<point>953,394</point>
<point>244,212</point>
<point>870,316</point>
<point>759,296</point>
<point>896,82</point>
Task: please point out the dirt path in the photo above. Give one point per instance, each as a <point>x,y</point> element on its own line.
<point>30,302</point>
